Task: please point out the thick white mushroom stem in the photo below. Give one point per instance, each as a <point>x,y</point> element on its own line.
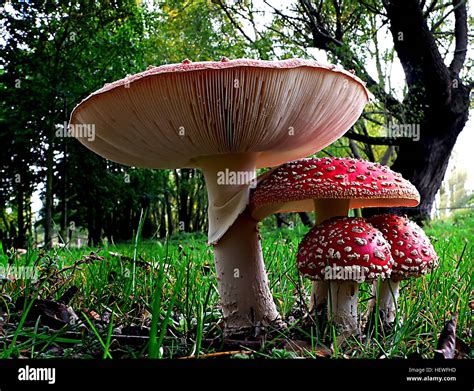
<point>246,300</point>
<point>342,306</point>
<point>228,178</point>
<point>325,209</point>
<point>387,300</point>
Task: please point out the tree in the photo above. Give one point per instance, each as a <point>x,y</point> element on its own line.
<point>55,52</point>
<point>430,41</point>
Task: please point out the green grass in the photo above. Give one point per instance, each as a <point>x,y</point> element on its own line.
<point>167,290</point>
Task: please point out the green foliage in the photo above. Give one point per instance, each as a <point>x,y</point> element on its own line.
<point>177,303</point>
<point>55,54</point>
<point>182,29</point>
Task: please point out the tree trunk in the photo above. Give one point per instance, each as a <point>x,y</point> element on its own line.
<point>425,164</point>
<point>90,226</point>
<point>181,197</point>
<point>48,220</point>
<point>437,100</point>
<point>279,220</point>
<point>190,201</point>
<point>20,239</point>
<point>64,218</point>
<point>305,219</point>
<point>197,220</point>
<point>169,214</point>
<point>29,219</point>
<point>163,221</point>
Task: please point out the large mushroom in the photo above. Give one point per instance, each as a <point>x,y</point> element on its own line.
<point>413,256</point>
<point>227,118</point>
<point>344,252</point>
<point>331,187</point>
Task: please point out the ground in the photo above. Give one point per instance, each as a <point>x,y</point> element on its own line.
<point>100,303</point>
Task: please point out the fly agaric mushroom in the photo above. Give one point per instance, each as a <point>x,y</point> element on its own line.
<point>344,251</point>
<point>227,118</point>
<point>330,186</point>
<point>413,256</point>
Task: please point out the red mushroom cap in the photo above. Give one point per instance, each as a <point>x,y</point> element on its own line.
<point>344,248</point>
<point>293,186</point>
<point>412,251</point>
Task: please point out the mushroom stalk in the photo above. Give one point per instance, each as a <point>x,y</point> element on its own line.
<point>246,299</point>
<point>325,209</point>
<point>413,255</point>
<point>388,298</point>
<point>247,302</point>
<point>342,308</point>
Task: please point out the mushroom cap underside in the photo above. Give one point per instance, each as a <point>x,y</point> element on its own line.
<point>170,116</point>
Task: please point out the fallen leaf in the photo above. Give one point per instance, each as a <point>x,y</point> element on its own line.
<point>52,314</point>
<point>447,339</point>
<point>463,351</point>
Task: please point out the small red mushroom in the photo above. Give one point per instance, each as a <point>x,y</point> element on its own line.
<point>330,187</point>
<point>345,252</point>
<point>413,256</point>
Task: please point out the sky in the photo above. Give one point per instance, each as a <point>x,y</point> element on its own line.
<point>463,154</point>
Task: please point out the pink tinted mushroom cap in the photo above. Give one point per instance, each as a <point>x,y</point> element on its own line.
<point>293,186</point>
<point>412,251</point>
<point>236,115</point>
<point>172,115</point>
<point>346,244</point>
